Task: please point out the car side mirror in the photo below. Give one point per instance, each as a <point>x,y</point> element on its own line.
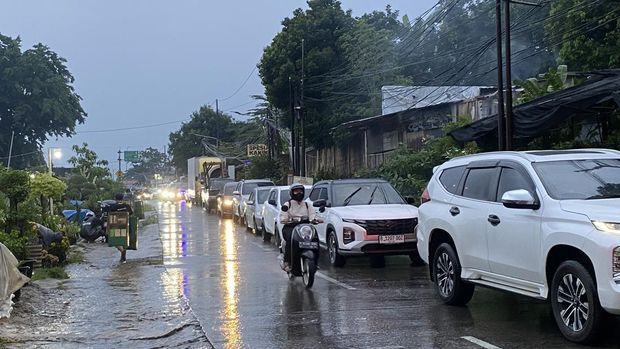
<point>320,203</point>
<point>272,202</point>
<point>284,208</point>
<point>236,193</point>
<point>520,199</point>
<point>250,203</point>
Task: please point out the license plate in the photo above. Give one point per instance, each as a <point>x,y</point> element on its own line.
<point>309,245</point>
<point>391,239</point>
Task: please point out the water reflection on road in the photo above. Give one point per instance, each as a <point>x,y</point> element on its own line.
<point>229,314</point>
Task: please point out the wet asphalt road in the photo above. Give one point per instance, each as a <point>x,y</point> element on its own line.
<point>243,300</point>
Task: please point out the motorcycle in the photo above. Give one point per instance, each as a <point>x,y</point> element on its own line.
<point>304,248</point>
<point>92,228</point>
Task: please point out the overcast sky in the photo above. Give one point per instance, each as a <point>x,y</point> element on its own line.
<point>145,62</point>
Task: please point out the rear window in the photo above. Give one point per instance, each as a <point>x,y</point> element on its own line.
<point>229,189</point>
<point>249,187</point>
<point>450,178</point>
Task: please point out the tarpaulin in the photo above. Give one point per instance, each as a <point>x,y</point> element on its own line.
<point>11,280</point>
<point>536,117</point>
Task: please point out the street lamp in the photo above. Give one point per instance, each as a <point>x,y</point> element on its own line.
<point>52,153</point>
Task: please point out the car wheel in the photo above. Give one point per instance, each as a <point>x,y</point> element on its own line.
<point>266,237</point>
<point>276,237</point>
<point>415,259</point>
<point>335,258</point>
<point>575,304</point>
<point>377,261</point>
<point>257,230</point>
<point>447,273</point>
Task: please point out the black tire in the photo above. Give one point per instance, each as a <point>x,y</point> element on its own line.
<point>415,259</point>
<point>308,273</point>
<point>266,237</point>
<point>257,231</point>
<point>276,237</point>
<point>447,275</point>
<point>573,290</point>
<point>377,261</point>
<point>335,258</point>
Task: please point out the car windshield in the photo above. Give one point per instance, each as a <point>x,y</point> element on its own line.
<point>349,194</point>
<point>580,179</point>
<point>229,189</point>
<point>262,196</point>
<point>248,187</point>
<point>285,196</point>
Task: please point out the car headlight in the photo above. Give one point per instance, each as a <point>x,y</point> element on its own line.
<point>227,202</point>
<point>609,227</point>
<point>179,195</point>
<point>305,232</point>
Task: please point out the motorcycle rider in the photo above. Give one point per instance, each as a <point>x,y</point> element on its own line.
<point>297,208</point>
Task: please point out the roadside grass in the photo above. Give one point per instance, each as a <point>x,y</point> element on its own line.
<point>75,257</point>
<point>4,342</point>
<point>149,220</point>
<point>49,273</point>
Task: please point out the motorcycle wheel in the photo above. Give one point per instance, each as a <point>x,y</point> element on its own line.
<point>309,269</point>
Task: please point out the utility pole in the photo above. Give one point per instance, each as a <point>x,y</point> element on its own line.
<point>119,166</point>
<point>302,112</point>
<point>217,128</point>
<point>508,78</point>
<point>500,74</point>
<point>293,138</point>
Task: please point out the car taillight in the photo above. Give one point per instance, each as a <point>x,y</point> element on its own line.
<point>425,196</point>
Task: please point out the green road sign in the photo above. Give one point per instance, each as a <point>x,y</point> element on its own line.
<point>131,156</point>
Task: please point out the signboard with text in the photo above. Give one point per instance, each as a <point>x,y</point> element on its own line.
<point>257,149</point>
<point>131,156</point>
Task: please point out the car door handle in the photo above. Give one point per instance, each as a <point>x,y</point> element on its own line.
<point>455,211</point>
<point>494,220</point>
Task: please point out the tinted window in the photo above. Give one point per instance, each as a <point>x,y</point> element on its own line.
<point>272,195</point>
<point>479,183</point>
<point>512,179</point>
<point>229,188</point>
<point>323,194</point>
<point>314,195</point>
<point>580,179</point>
<point>248,187</point>
<point>262,196</point>
<point>450,178</point>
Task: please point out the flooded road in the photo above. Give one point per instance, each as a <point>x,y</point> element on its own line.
<point>243,300</point>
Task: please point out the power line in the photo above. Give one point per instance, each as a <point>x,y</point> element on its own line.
<point>240,87</point>
<point>133,128</point>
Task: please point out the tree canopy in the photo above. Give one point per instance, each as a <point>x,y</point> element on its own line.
<point>86,163</point>
<point>37,100</point>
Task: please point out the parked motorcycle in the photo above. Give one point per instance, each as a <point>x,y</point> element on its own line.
<point>92,228</point>
<point>304,248</point>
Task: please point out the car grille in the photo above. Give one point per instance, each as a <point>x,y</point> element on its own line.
<point>387,227</point>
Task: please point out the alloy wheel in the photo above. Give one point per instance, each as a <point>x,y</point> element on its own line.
<point>332,248</point>
<point>573,301</point>
<point>444,275</point>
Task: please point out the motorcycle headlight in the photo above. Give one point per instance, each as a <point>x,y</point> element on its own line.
<point>306,232</point>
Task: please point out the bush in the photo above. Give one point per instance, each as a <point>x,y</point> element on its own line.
<point>47,273</point>
<point>16,243</point>
<point>59,249</point>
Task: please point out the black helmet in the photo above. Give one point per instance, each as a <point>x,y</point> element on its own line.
<point>296,186</point>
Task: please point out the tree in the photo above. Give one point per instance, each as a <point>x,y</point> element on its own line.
<point>44,186</point>
<point>586,34</point>
<point>187,142</point>
<point>151,161</point>
<point>37,100</point>
<point>87,164</point>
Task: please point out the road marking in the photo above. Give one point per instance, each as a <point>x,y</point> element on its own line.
<point>480,342</point>
<point>341,284</point>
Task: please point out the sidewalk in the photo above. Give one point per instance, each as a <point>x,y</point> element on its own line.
<point>106,304</point>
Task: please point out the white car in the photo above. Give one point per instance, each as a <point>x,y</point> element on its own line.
<point>271,212</point>
<point>241,195</point>
<point>364,217</point>
<point>544,224</point>
<point>254,208</point>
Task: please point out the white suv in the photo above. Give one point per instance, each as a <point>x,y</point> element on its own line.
<point>545,224</point>
<point>364,217</point>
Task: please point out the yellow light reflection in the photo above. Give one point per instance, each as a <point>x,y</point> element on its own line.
<point>229,315</point>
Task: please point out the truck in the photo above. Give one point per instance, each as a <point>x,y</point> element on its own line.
<point>199,170</point>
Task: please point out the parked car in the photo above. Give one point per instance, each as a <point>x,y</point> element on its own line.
<point>543,224</point>
<point>271,212</point>
<point>209,195</point>
<point>254,208</point>
<point>225,200</point>
<point>242,193</point>
<point>364,217</point>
